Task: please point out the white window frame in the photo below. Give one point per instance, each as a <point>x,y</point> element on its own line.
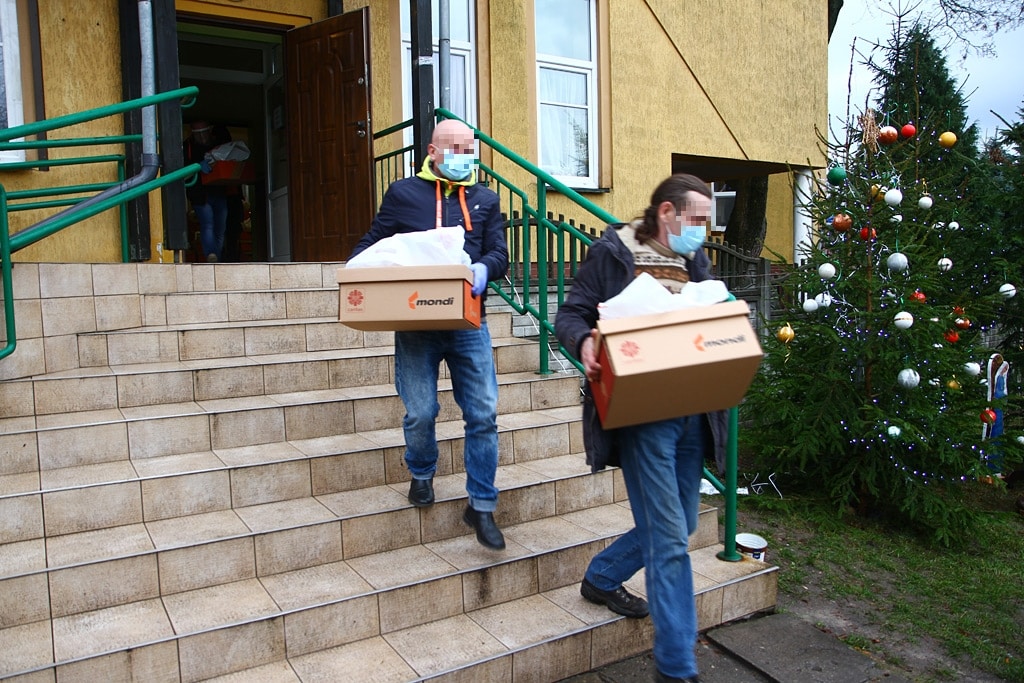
<point>589,69</point>
<point>461,48</point>
<point>716,193</point>
<point>10,85</point>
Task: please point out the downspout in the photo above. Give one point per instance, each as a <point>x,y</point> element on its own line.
<point>150,159</point>
<point>444,65</point>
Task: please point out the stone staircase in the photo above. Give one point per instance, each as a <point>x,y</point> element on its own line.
<point>201,478</point>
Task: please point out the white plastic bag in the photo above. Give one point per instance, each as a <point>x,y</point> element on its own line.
<point>236,150</point>
<point>646,296</point>
<point>440,247</point>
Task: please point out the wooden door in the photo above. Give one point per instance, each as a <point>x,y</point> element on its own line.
<point>331,189</point>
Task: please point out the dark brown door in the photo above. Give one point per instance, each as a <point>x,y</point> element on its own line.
<point>330,142</point>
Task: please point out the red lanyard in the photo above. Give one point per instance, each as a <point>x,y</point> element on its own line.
<point>462,202</point>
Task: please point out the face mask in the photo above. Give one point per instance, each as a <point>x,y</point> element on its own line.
<point>457,166</point>
<point>690,240</point>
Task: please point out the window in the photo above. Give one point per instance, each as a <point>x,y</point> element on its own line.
<point>463,62</point>
<point>12,108</point>
<point>723,199</point>
<point>567,90</point>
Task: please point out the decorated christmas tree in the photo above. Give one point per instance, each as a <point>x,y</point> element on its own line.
<point>873,388</point>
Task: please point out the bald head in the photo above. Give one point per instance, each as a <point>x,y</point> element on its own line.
<point>452,138</point>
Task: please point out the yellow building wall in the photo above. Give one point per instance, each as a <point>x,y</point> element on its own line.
<point>81,70</point>
<point>730,79</point>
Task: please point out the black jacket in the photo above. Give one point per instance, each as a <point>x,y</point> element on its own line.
<point>410,205</point>
<point>605,272</point>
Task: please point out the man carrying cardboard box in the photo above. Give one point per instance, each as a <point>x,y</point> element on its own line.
<point>661,461</point>
<point>445,194</point>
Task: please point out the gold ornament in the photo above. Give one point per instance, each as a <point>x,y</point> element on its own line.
<point>953,384</point>
<point>870,130</point>
<point>947,139</point>
<point>785,334</point>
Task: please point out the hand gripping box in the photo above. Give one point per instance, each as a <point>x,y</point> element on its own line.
<point>408,298</point>
<point>684,362</point>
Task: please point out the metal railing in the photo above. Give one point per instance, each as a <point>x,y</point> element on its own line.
<point>544,253</point>
<point>13,201</point>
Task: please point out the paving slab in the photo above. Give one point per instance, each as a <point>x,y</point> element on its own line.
<point>788,649</point>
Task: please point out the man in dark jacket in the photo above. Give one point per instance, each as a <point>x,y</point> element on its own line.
<point>445,194</point>
<point>661,461</point>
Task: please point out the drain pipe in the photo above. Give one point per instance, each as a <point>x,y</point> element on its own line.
<point>150,159</point>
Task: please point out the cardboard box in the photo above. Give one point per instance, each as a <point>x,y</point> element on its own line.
<point>408,298</point>
<point>230,173</point>
<point>655,367</point>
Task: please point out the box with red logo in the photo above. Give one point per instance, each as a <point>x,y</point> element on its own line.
<point>683,362</point>
<point>230,173</point>
<point>408,298</point>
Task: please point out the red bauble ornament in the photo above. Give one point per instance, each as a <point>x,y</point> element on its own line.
<point>963,323</point>
<point>842,222</point>
<point>867,233</point>
<point>908,130</point>
<point>918,296</point>
<point>958,310</point>
<point>888,135</point>
<point>952,336</point>
<point>988,416</point>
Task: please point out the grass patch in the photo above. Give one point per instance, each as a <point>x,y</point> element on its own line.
<point>970,599</point>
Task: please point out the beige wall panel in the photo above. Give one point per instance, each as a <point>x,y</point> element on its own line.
<point>763,66</point>
<point>779,237</point>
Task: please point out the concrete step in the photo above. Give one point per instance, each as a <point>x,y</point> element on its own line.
<point>46,442</point>
<point>402,595</point>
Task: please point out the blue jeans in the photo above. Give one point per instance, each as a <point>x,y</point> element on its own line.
<point>662,464</point>
<point>213,223</point>
<point>418,356</point>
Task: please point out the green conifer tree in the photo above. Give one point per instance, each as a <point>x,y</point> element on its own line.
<point>872,389</point>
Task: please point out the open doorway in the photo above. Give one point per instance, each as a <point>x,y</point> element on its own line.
<point>239,74</point>
<point>299,96</point>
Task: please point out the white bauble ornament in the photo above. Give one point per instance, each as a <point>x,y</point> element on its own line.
<point>934,381</point>
<point>1020,439</point>
<point>897,262</point>
<point>925,202</point>
<point>903,320</point>
<point>893,197</point>
<point>826,271</point>
<point>908,378</point>
<point>953,225</point>
<point>810,305</point>
<point>973,369</point>
<point>895,431</point>
<point>945,264</point>
<point>897,218</point>
<point>824,299</point>
<point>1008,290</point>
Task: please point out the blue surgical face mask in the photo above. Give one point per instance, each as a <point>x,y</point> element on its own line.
<point>457,166</point>
<point>691,239</point>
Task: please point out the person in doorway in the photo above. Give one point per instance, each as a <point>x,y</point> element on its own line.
<point>234,208</point>
<point>208,201</point>
<point>445,194</point>
<point>661,461</point>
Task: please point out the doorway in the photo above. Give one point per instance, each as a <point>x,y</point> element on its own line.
<point>236,71</point>
<point>299,98</point>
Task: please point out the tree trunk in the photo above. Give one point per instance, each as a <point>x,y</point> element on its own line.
<point>747,223</point>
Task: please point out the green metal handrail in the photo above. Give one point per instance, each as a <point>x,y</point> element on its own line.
<point>10,244</point>
<point>535,213</point>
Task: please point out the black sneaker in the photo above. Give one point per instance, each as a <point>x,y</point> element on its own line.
<point>421,492</point>
<point>619,600</point>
